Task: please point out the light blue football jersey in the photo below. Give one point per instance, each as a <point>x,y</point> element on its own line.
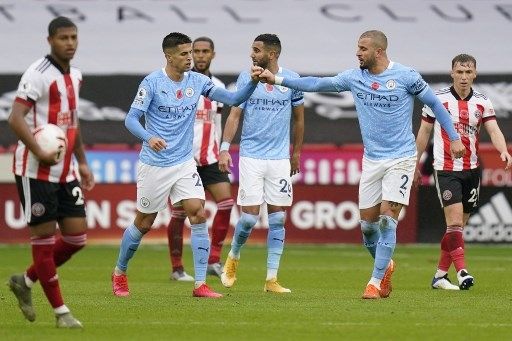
<point>169,111</point>
<point>267,117</point>
<point>384,105</point>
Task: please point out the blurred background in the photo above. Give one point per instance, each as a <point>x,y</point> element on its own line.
<point>120,42</point>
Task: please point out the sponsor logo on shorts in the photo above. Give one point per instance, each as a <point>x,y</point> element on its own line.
<point>447,195</point>
<point>144,202</point>
<point>37,209</point>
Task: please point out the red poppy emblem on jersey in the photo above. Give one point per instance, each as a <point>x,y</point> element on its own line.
<point>179,94</point>
<point>464,114</point>
<point>269,87</point>
<point>375,85</point>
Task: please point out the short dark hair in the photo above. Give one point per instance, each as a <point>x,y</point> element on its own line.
<point>57,23</point>
<point>270,40</point>
<point>206,39</point>
<point>378,38</point>
<point>174,39</point>
<point>463,59</point>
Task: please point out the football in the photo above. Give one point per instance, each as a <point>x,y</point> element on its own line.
<point>52,139</point>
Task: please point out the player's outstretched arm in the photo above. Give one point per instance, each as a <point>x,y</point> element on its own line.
<point>234,98</point>
<point>308,84</point>
<point>498,141</point>
<point>132,123</point>
<point>428,97</point>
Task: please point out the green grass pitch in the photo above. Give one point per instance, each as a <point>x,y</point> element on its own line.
<point>326,281</point>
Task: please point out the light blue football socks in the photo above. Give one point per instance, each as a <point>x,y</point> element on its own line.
<point>243,230</point>
<point>275,242</point>
<point>129,244</point>
<point>385,246</point>
<point>371,235</point>
<point>200,243</point>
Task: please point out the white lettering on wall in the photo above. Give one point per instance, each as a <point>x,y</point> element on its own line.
<point>98,215</point>
<point>318,215</point>
<point>15,219</point>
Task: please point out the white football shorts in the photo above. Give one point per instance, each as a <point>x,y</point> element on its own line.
<point>264,181</point>
<point>155,185</point>
<point>389,180</point>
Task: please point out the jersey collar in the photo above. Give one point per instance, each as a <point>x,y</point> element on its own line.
<point>457,97</point>
<point>54,63</point>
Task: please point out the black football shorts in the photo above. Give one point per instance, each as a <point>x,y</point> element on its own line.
<point>459,186</point>
<point>45,201</point>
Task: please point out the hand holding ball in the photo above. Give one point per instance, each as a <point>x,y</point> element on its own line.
<point>52,140</point>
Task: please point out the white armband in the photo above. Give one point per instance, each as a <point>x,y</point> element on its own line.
<point>278,80</point>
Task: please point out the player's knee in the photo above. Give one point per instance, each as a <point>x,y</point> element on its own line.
<point>392,212</point>
<point>276,220</point>
<point>197,217</point>
<point>247,221</point>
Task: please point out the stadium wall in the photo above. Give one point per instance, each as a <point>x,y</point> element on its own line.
<point>324,209</point>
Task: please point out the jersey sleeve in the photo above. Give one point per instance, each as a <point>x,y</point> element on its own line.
<point>219,83</point>
<point>342,80</point>
<point>31,87</point>
<point>414,82</point>
<point>144,96</point>
<point>427,114</point>
<point>297,98</point>
<point>488,113</point>
<point>207,85</point>
<point>241,81</point>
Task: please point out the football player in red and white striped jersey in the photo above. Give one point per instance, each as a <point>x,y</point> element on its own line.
<point>50,192</point>
<point>207,133</point>
<point>458,180</point>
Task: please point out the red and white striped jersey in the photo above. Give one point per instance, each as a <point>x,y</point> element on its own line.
<point>467,115</point>
<point>208,129</point>
<point>52,96</point>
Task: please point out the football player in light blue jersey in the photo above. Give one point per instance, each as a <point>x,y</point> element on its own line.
<point>384,93</point>
<point>265,164</point>
<point>168,99</point>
